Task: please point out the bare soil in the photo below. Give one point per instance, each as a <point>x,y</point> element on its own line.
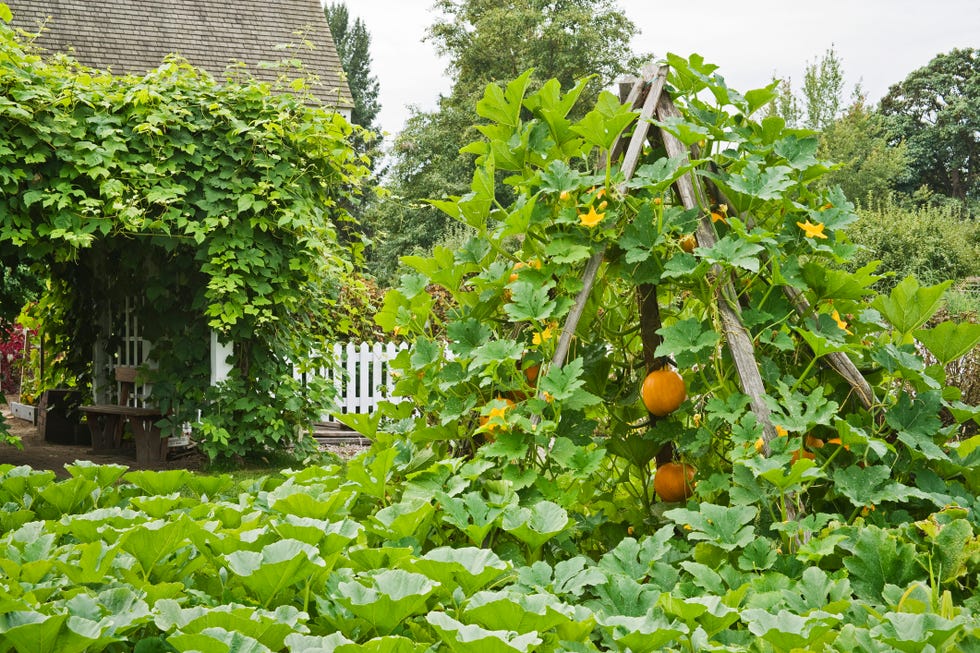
<point>40,455</point>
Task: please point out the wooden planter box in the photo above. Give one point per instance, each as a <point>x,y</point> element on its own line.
<point>58,418</point>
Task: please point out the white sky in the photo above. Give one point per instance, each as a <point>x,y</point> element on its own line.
<point>879,41</point>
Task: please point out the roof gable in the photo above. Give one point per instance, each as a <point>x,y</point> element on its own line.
<point>128,36</point>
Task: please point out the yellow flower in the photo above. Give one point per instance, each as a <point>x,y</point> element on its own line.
<point>760,444</point>
<point>842,325</point>
<point>544,336</point>
<point>591,218</point>
<point>781,432</point>
<point>812,230</point>
<point>720,213</point>
<point>657,201</point>
<point>497,412</point>
<point>565,196</point>
<point>548,397</point>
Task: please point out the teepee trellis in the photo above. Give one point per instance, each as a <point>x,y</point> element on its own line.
<point>647,96</point>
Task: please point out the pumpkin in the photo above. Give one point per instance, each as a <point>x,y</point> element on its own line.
<point>674,481</point>
<point>663,391</point>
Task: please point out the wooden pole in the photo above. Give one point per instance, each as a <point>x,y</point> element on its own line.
<point>736,335</point>
<point>653,82</point>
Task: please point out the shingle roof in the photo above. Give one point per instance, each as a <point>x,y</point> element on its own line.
<point>133,36</point>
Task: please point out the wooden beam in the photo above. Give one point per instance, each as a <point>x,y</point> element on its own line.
<point>736,335</point>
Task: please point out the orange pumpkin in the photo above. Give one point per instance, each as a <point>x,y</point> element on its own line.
<point>674,481</point>
<point>663,391</point>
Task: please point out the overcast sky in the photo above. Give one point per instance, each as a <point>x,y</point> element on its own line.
<point>879,41</point>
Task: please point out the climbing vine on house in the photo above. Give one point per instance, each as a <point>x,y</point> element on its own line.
<point>213,203</point>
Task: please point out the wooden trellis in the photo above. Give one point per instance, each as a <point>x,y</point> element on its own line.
<point>648,97</point>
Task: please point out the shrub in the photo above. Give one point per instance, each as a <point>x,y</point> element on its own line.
<point>931,242</point>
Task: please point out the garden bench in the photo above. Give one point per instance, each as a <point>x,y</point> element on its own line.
<point>106,422</point>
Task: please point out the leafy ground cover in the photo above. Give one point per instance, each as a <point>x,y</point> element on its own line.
<point>397,551</point>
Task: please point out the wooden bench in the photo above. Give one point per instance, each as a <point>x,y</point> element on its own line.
<point>106,422</point>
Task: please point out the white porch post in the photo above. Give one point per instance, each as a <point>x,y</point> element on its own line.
<point>221,352</point>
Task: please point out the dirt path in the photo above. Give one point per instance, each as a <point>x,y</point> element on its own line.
<point>45,455</point>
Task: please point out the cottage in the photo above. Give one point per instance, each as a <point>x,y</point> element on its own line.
<point>123,36</point>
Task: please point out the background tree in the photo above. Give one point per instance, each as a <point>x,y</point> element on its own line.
<point>353,44</point>
<point>487,41</point>
<point>869,167</point>
<point>936,112</point>
<point>822,94</point>
<point>823,90</point>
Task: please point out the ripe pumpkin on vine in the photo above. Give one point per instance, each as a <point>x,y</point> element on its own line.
<point>663,391</point>
<point>674,481</point>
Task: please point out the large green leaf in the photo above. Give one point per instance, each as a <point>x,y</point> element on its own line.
<point>879,557</point>
<point>154,482</point>
<point>912,632</point>
<point>42,633</point>
<point>642,634</point>
<point>103,475</point>
<point>65,496</point>
<point>536,525</point>
<point>870,485</point>
<point>270,628</point>
<point>275,568</point>
<point>788,631</point>
<point>524,613</point>
<point>466,638</point>
<point>410,518</point>
<point>948,341</point>
<point>387,599</point>
<point>469,569</point>
<point>216,640</point>
<point>910,305</point>
<point>153,542</point>
<point>472,514</point>
<point>728,528</point>
<point>916,419</point>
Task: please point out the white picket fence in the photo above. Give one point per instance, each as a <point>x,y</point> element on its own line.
<point>361,375</point>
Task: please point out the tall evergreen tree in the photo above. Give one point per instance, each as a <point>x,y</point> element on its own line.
<point>353,43</point>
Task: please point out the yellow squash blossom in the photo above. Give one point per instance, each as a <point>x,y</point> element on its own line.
<point>840,323</point>
<point>720,213</point>
<point>812,230</point>
<point>781,432</point>
<point>591,218</point>
<point>544,336</point>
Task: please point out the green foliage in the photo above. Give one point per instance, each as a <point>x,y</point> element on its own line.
<point>931,243</point>
<point>213,205</point>
<point>353,43</point>
<point>823,87</point>
<point>18,286</point>
<point>935,111</point>
<point>575,437</point>
<point>869,167</point>
<point>486,42</point>
<point>238,569</point>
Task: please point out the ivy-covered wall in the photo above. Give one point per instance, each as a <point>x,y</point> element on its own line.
<point>214,202</point>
